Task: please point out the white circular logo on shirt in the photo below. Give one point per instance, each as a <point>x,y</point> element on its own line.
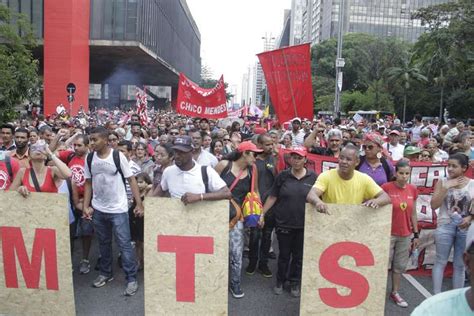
<point>3,180</point>
<point>78,176</point>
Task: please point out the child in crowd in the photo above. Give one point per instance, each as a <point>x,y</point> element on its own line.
<point>136,222</point>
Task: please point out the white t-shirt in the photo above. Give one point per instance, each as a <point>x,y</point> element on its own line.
<point>178,182</point>
<point>396,152</point>
<point>297,139</point>
<point>207,159</point>
<point>109,195</point>
<point>415,133</point>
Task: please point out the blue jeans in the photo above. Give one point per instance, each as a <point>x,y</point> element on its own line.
<point>446,236</point>
<point>236,248</point>
<point>105,224</point>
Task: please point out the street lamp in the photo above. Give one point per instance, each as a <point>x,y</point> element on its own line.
<point>339,60</point>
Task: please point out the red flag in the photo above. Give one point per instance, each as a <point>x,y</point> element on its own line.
<point>288,76</point>
<point>200,102</point>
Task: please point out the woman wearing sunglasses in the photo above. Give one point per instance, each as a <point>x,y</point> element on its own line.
<point>374,163</point>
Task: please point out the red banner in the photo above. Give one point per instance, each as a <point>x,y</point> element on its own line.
<point>424,176</point>
<point>288,76</point>
<point>195,101</point>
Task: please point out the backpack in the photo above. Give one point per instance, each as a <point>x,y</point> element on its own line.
<point>116,157</point>
<point>385,166</point>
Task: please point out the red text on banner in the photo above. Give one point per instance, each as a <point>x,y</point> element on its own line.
<point>44,245</point>
<point>185,247</point>
<point>331,271</point>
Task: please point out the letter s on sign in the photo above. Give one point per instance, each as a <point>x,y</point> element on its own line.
<point>331,271</point>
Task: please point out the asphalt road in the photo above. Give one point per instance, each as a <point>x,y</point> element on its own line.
<point>259,298</point>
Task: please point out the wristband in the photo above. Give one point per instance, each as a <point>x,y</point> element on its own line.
<point>416,235</point>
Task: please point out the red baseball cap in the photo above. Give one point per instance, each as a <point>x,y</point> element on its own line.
<point>301,151</point>
<point>248,146</point>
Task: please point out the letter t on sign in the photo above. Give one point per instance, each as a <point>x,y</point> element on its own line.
<point>185,248</point>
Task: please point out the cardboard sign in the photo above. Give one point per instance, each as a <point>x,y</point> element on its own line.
<point>35,260</point>
<point>186,257</point>
<point>345,260</point>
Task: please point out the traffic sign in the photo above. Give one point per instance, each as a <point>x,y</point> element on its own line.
<point>340,62</point>
<point>71,88</point>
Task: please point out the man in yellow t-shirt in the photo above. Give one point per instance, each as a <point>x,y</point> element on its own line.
<point>345,185</point>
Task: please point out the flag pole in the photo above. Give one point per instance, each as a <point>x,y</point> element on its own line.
<point>289,81</point>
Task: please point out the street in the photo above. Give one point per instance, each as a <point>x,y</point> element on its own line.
<point>259,298</point>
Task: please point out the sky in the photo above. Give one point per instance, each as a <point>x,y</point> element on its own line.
<point>232,31</point>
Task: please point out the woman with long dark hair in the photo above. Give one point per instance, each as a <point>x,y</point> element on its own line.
<point>235,170</point>
<point>164,157</point>
<point>404,222</point>
<point>454,198</point>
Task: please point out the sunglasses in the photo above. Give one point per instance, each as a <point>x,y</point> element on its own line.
<point>174,134</point>
<point>226,139</point>
<point>369,147</point>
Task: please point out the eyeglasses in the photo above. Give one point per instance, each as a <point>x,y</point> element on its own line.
<point>369,147</point>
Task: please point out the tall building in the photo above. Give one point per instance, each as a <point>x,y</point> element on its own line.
<point>296,24</point>
<point>384,18</point>
<point>112,44</point>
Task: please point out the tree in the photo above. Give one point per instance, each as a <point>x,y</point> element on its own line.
<point>208,82</point>
<point>445,52</point>
<point>405,74</point>
<point>19,80</point>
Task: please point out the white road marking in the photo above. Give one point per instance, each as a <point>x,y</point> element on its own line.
<point>417,285</point>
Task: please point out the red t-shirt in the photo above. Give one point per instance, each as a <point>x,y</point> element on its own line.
<point>77,167</point>
<point>5,180</point>
<point>403,201</point>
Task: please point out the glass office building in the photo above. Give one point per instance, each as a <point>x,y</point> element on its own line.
<point>382,18</point>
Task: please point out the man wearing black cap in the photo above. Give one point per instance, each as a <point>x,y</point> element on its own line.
<point>184,180</point>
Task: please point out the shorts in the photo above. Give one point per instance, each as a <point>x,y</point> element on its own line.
<point>399,253</point>
<point>85,227</point>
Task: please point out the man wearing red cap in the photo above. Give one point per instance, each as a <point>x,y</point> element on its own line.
<point>393,146</point>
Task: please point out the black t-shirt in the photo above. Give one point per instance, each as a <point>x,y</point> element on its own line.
<point>291,198</point>
<point>321,151</point>
<point>239,191</point>
<point>266,176</point>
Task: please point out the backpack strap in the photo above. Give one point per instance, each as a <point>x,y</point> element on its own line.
<point>8,164</point>
<point>89,162</point>
<point>116,156</point>
<point>205,178</point>
<point>69,187</point>
<point>70,157</point>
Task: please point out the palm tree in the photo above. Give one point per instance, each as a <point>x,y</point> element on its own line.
<point>404,75</point>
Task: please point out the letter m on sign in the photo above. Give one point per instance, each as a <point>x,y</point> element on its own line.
<point>44,245</point>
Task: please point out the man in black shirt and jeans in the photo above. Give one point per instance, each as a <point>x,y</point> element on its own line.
<point>265,163</point>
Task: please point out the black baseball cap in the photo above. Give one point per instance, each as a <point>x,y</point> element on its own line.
<point>183,143</point>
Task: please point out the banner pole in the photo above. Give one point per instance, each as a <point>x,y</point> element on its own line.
<point>289,82</point>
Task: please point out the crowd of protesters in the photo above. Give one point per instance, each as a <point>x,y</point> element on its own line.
<point>110,161</point>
